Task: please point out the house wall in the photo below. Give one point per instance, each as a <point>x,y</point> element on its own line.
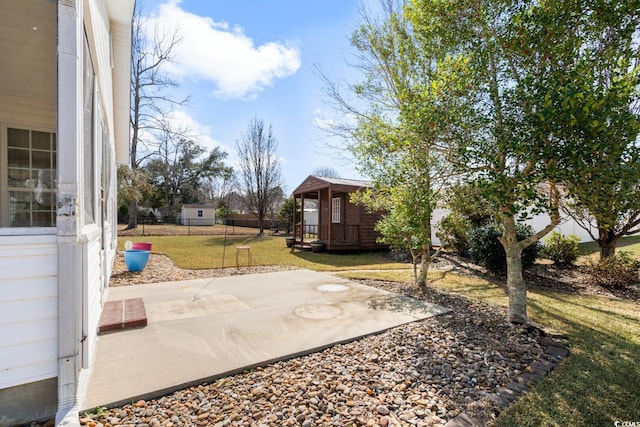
<point>28,257</point>
<point>94,296</point>
<point>28,325</point>
<point>28,309</point>
<point>96,237</point>
<point>369,235</point>
<point>352,212</point>
<point>351,215</point>
<point>99,239</point>
<point>53,280</point>
<point>97,27</point>
<point>100,35</point>
<point>324,206</point>
<point>28,63</point>
<point>538,222</point>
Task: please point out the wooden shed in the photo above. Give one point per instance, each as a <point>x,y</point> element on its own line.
<point>342,225</point>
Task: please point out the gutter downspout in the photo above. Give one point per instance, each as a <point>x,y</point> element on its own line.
<point>69,135</point>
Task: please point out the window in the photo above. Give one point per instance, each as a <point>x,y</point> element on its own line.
<point>30,196</point>
<point>335,210</point>
<point>200,213</point>
<point>90,116</point>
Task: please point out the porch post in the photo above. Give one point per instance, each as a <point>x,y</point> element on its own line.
<point>69,134</point>
<point>330,224</point>
<point>302,219</point>
<point>293,226</point>
<point>321,235</point>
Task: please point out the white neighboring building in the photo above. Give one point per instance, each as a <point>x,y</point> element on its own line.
<point>64,124</point>
<point>311,220</point>
<point>538,222</point>
<point>197,215</point>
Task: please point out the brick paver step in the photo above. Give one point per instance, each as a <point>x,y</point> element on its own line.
<point>122,314</point>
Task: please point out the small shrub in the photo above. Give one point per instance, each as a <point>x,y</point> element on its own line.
<point>453,232</point>
<point>617,271</point>
<point>561,249</point>
<point>485,249</point>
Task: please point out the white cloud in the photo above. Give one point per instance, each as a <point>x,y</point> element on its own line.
<point>213,51</point>
<point>329,121</point>
<point>201,132</point>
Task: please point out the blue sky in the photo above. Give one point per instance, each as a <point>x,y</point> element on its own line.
<point>245,59</point>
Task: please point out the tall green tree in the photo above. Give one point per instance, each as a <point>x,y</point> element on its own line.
<point>594,104</point>
<point>497,146</point>
<point>519,70</point>
<point>392,138</point>
<point>132,184</point>
<point>181,167</point>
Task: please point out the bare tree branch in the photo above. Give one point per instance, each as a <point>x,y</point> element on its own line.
<point>259,171</point>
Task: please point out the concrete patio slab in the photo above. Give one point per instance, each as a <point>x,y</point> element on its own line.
<point>200,330</point>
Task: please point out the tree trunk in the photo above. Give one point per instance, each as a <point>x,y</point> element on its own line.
<point>516,285</point>
<point>414,261</point>
<point>607,249</point>
<point>133,214</point>
<point>515,281</point>
<point>607,241</point>
<point>425,261</point>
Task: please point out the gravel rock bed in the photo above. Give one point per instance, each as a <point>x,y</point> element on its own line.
<point>424,373</point>
<point>160,268</point>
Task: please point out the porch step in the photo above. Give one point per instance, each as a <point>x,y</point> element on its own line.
<point>302,246</point>
<point>122,314</point>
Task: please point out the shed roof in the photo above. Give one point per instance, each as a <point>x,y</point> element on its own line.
<point>198,206</point>
<point>315,182</point>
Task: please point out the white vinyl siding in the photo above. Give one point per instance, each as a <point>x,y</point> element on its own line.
<point>335,210</point>
<point>28,309</point>
<point>94,296</point>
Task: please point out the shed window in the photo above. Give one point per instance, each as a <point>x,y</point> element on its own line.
<point>335,210</point>
<point>200,213</point>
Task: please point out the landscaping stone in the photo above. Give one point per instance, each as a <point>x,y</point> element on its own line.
<point>462,368</point>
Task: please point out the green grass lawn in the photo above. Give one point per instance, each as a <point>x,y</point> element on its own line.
<point>598,384</point>
<point>629,244</point>
<point>201,252</point>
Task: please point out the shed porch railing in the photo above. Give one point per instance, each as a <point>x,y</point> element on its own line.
<point>341,234</point>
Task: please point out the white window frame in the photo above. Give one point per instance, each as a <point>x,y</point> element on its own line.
<point>335,210</point>
<point>5,227</point>
<point>92,132</point>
